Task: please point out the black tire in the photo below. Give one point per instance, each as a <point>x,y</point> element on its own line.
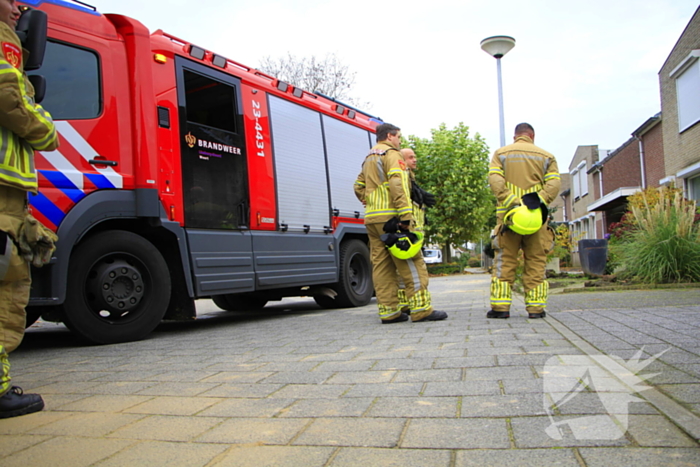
<point>238,302</point>
<point>118,288</point>
<point>355,287</point>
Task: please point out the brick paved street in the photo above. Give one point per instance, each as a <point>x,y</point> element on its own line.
<point>296,385</point>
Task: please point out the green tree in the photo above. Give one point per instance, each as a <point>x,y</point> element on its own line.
<point>454,167</point>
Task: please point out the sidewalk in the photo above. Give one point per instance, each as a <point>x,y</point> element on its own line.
<point>295,385</point>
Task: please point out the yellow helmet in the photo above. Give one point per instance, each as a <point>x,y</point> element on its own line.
<point>406,245</point>
<point>524,221</point>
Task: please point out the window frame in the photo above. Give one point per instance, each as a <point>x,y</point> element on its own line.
<point>100,94</point>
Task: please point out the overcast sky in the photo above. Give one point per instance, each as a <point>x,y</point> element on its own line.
<point>581,73</point>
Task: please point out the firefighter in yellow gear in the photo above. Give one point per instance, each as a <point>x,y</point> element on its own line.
<point>420,199</point>
<point>525,179</point>
<point>383,187</point>
<point>24,127</point>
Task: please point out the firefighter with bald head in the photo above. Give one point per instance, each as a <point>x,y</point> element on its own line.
<point>24,127</point>
<point>525,179</point>
<point>383,186</point>
<point>420,199</point>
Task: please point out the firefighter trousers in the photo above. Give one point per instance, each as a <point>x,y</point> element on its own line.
<point>15,286</point>
<point>507,244</point>
<point>412,272</point>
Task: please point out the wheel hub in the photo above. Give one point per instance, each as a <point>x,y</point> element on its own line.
<point>121,286</point>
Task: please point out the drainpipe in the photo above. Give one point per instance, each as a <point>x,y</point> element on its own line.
<point>641,162</point>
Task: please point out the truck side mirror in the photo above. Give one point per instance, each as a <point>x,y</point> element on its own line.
<point>39,83</point>
<point>31,30</point>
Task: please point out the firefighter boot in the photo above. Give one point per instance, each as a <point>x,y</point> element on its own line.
<point>434,316</point>
<point>537,315</point>
<point>498,314</point>
<point>15,403</point>
<point>399,319</point>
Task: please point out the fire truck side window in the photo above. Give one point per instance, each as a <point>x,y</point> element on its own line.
<point>72,82</point>
<point>209,102</point>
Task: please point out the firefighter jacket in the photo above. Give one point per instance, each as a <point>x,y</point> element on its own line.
<point>383,185</point>
<point>24,125</point>
<point>522,168</point>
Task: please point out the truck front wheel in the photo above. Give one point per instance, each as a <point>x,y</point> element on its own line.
<point>118,288</point>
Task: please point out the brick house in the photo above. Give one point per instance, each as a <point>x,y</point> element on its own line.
<point>679,80</point>
<point>584,190</point>
<point>637,164</point>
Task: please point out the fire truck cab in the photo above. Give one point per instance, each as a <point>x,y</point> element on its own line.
<point>182,174</point>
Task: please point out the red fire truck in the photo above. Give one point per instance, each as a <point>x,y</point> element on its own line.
<point>182,175</point>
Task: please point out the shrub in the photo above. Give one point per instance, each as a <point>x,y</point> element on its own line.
<point>474,263</point>
<point>444,268</point>
<point>663,244</point>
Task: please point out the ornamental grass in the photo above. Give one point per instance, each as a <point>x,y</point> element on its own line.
<point>664,245</point>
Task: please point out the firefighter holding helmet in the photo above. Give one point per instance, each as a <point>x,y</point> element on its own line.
<point>525,179</point>
<point>383,187</point>
<point>24,127</point>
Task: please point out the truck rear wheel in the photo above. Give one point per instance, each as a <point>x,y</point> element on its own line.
<point>355,287</point>
<point>118,288</point>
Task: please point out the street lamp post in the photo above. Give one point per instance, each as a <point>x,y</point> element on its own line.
<point>497,47</point>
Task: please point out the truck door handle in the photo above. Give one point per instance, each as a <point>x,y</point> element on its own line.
<point>103,162</point>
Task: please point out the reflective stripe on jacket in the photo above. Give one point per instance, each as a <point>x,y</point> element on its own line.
<point>521,168</point>
<point>383,185</point>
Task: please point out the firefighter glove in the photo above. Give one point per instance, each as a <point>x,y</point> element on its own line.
<point>36,242</point>
<point>428,199</point>
<point>392,225</point>
<point>532,200</point>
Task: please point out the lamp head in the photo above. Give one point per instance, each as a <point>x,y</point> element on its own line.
<point>497,46</point>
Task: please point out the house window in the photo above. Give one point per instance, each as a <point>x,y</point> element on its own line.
<point>694,188</point>
<point>687,76</point>
<point>579,181</point>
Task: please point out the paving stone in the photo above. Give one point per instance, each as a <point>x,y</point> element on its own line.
<point>299,377</point>
<point>65,451</point>
<point>254,430</point>
<point>462,388</point>
<point>515,405</point>
<point>657,431</point>
<point>497,373</point>
<point>311,408</point>
<point>259,390</point>
<point>352,457</point>
<point>174,405</point>
<point>457,434</point>
<point>87,424</point>
<point>516,457</point>
<point>312,391</point>
<point>166,428</point>
<point>359,377</point>
<point>10,444</point>
<point>155,454</point>
<point>410,407</point>
<point>643,457</point>
<point>275,456</point>
<point>412,376</point>
<point>384,390</point>
<point>530,432</point>
<point>404,364</point>
<point>103,403</point>
<point>236,377</point>
<point>242,407</point>
<point>365,432</point>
